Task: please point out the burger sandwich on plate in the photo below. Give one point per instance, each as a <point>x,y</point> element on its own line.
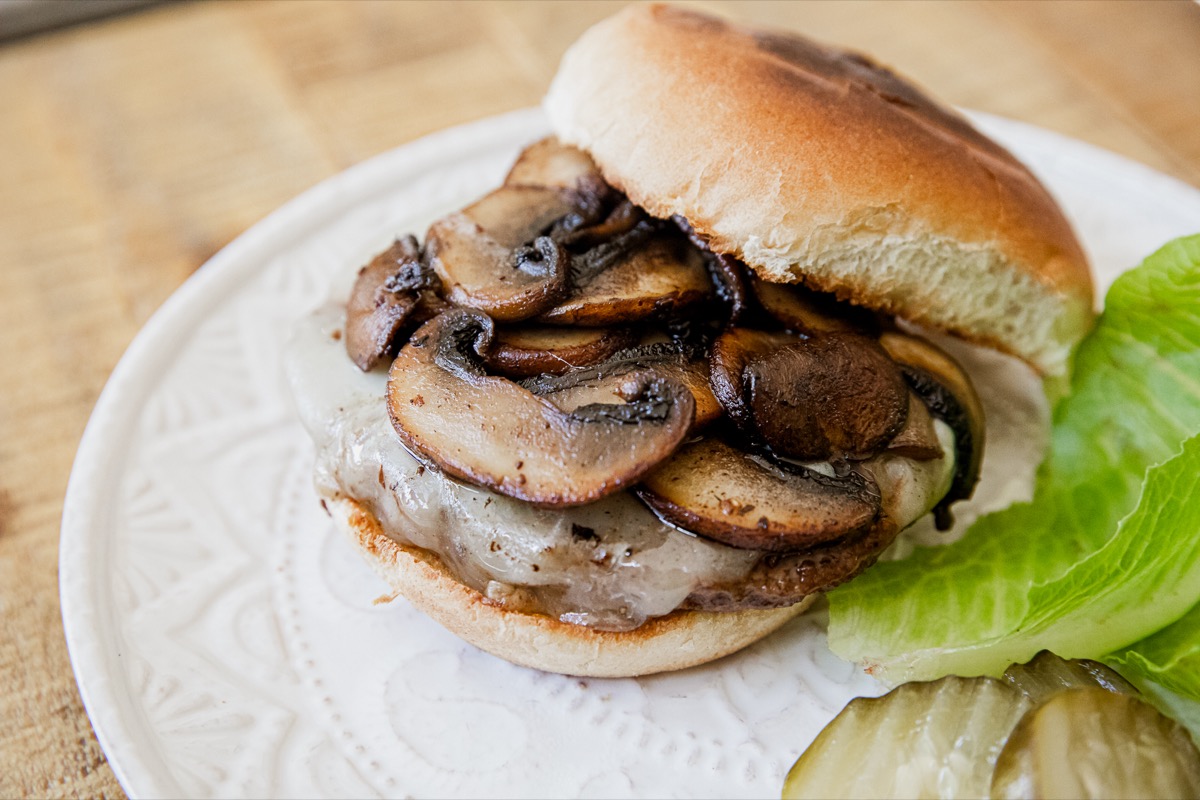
<point>635,408</point>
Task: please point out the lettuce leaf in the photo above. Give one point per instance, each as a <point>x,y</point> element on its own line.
<point>1170,658</point>
<point>1060,572</point>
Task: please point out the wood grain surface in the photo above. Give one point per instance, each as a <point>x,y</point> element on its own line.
<point>134,148</point>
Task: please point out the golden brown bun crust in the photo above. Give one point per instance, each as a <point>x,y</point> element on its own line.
<point>816,165</point>
<point>679,640</point>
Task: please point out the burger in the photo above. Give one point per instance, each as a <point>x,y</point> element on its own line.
<point>637,407</point>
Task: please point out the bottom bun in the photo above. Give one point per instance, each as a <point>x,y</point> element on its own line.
<point>680,639</point>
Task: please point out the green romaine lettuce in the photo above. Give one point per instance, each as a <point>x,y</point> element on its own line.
<point>1170,657</point>
<point>1060,572</point>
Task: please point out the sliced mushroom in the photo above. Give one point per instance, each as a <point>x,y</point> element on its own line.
<point>808,312</point>
<point>949,395</point>
<point>834,395</point>
<point>579,233</point>
<point>661,276</point>
<point>731,353</point>
<point>713,489</point>
<point>551,164</point>
<point>530,350</point>
<point>732,286</point>
<point>393,292</point>
<point>495,433</point>
<point>493,255</point>
<point>918,439</point>
<point>579,386</point>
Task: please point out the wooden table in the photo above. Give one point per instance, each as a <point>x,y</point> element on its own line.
<point>134,148</point>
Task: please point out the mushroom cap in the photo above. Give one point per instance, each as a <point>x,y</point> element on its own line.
<point>816,165</point>
<point>716,490</point>
<point>495,433</point>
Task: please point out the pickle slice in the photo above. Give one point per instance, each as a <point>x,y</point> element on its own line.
<point>1094,743</point>
<point>938,739</point>
<point>1046,674</point>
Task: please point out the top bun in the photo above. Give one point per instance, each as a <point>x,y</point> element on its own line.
<point>815,165</point>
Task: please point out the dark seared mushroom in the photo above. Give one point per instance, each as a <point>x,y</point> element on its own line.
<point>581,232</point>
<point>731,284</point>
<point>947,391</point>
<point>729,275</point>
<point>495,433</point>
<point>551,164</point>
<point>808,312</point>
<point>492,255</point>
<point>714,489</point>
<point>528,350</point>
<point>835,395</point>
<point>918,439</point>
<point>731,353</point>
<point>656,276</point>
<point>393,292</point>
<point>586,385</point>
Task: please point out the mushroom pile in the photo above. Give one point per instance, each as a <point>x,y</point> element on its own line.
<point>553,343</point>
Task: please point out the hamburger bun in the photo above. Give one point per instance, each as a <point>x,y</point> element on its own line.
<point>679,640</point>
<point>816,166</point>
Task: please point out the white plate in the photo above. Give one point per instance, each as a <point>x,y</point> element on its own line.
<point>224,639</point>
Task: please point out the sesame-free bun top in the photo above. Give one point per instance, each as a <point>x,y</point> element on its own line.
<point>815,165</point>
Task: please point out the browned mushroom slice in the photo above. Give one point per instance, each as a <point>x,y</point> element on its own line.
<point>492,255</point>
<point>834,395</point>
<point>948,393</point>
<point>663,275</point>
<point>918,439</point>
<point>394,291</point>
<point>497,434</point>
<point>717,491</point>
<point>694,375</point>
<point>580,386</point>
<point>550,163</point>
<point>731,353</point>
<point>732,285</point>
<point>808,312</point>
<point>536,349</point>
<point>581,233</point>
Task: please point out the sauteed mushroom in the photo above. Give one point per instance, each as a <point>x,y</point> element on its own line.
<point>807,312</point>
<point>730,355</point>
<point>949,395</point>
<point>492,255</point>
<point>661,275</point>
<point>530,350</point>
<point>714,489</point>
<point>551,164</point>
<point>394,291</point>
<point>835,395</point>
<point>497,434</point>
<point>917,439</point>
<point>585,385</point>
<point>586,234</point>
<point>729,279</point>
